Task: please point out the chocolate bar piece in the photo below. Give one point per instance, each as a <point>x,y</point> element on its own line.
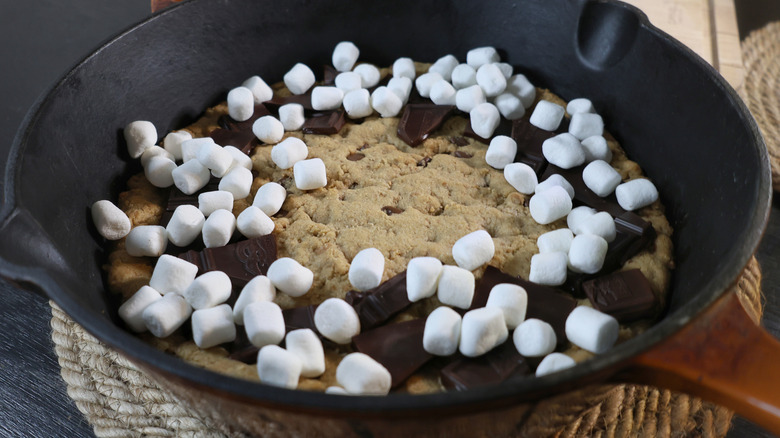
<point>329,75</point>
<point>243,140</point>
<point>383,302</point>
<point>498,365</point>
<point>419,120</point>
<point>241,261</point>
<point>229,123</point>
<point>176,198</point>
<point>626,295</point>
<point>299,318</point>
<point>325,123</point>
<point>399,347</point>
<point>301,99</point>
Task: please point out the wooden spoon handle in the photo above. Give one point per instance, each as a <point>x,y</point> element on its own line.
<point>721,356</point>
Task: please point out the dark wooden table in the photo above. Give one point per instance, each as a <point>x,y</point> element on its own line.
<point>40,41</point>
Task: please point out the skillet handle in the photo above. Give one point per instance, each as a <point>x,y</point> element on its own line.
<point>722,356</point>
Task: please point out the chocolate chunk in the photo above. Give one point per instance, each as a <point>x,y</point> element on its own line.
<point>545,303</point>
<point>241,349</point>
<point>364,146</point>
<point>390,210</point>
<point>462,154</point>
<point>424,162</point>
<point>301,99</point>
<point>383,302</point>
<point>227,122</point>
<point>458,141</point>
<point>286,182</point>
<point>329,75</point>
<point>299,318</point>
<point>357,156</point>
<point>243,140</point>
<point>626,295</point>
<point>241,261</point>
<point>353,297</point>
<point>498,365</point>
<point>399,347</point>
<point>325,123</point>
<point>176,198</point>
<point>419,120</point>
<point>529,138</point>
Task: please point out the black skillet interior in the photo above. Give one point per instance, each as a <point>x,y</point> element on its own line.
<point>670,111</point>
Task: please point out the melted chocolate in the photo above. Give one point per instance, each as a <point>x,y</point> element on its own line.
<point>357,156</point>
<point>390,210</point>
<point>399,347</point>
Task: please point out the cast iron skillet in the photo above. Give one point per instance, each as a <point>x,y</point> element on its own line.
<point>671,112</point>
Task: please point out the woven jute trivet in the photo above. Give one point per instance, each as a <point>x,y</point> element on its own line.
<point>119,400</point>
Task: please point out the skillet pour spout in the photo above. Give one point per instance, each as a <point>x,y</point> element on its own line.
<point>664,104</point>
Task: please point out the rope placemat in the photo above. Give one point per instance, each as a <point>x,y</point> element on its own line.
<point>118,399</point>
<point>761,55</point>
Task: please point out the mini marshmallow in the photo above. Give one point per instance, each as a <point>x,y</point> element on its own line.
<point>240,103</point>
<point>278,367</point>
<point>577,217</point>
<point>213,326</point>
<point>310,174</point>
<point>484,119</point>
<point>239,158</point>
<point>587,253</point>
<point>252,222</point>
<point>111,222</point>
<point>425,81</point>
<point>385,102</point>
<point>456,287</point>
<point>326,98</point>
<point>555,241</point>
<point>348,81</point>
<point>369,74</point>
<point>501,152</point>
<point>172,142</point>
<point>481,330</point>
<point>564,151</point>
<point>345,54</point>
<point>208,290</point>
<point>466,99</point>
<point>444,66</point>
<point>139,136</point>
<point>596,148</point>
<point>305,344</point>
<point>146,240</point>
<point>290,277</point>
<point>422,277</point>
<point>491,79</point>
<point>510,106</point>
<point>159,171</point>
<point>264,323</point>
<point>357,104</point>
<point>534,338</point>
<point>554,362</point>
<point>402,87</point>
<point>579,105</point>
<point>522,177</point>
<point>268,129</point>
<point>443,93</point>
<point>521,87</point>
<point>209,202</point>
<point>482,55</point>
<point>288,152</point>
<point>549,268</point>
<point>506,69</point>
<point>162,317</point>
<point>555,180</point>
<point>600,177</point>
<point>299,79</point>
<point>191,147</point>
<point>600,224</point>
<point>584,125</point>
<point>336,320</point>
<point>185,225</point>
<point>636,194</point>
<point>550,205</point>
<point>358,373</point>
<point>132,310</point>
<point>292,117</point>
<point>591,330</point>
<point>238,182</point>
<point>336,390</point>
<point>512,300</point>
<point>257,289</point>
<point>441,335</point>
<point>547,115</point>
<point>270,197</point>
<point>155,151</point>
<point>218,228</point>
<point>473,250</point>
<point>190,176</point>
<point>404,68</point>
<point>463,75</point>
<point>260,90</point>
<point>366,269</point>
<point>215,158</point>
